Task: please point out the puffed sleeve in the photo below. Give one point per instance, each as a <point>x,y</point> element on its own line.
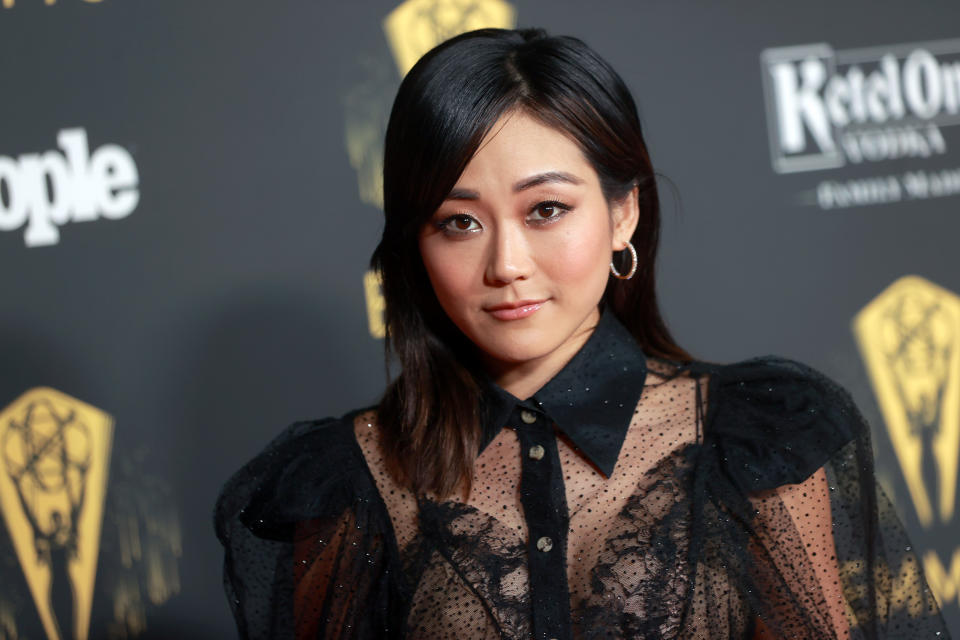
<point>826,555</point>
<point>309,549</point>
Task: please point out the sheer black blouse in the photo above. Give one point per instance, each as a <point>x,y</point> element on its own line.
<point>630,497</point>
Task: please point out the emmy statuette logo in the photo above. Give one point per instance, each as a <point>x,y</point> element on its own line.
<point>373,291</point>
<point>416,26</point>
<point>54,457</point>
<point>909,337</point>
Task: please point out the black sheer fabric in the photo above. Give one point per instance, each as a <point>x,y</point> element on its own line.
<point>630,497</point>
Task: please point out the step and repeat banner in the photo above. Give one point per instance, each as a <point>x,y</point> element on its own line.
<point>190,193</point>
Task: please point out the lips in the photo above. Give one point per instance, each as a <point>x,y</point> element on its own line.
<point>515,310</point>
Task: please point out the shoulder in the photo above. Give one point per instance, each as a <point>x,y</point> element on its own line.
<point>311,468</point>
<point>792,388</point>
<point>775,420</point>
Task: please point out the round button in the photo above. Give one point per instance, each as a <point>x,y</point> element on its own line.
<point>545,544</point>
<point>528,416</point>
<point>536,452</point>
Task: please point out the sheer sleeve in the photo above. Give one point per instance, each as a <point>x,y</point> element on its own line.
<point>309,550</point>
<point>827,556</point>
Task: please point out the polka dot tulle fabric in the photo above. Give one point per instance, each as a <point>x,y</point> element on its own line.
<point>742,504</point>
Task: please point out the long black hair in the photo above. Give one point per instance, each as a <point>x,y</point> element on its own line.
<point>446,104</point>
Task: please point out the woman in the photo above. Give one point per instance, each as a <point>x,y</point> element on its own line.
<point>549,463</point>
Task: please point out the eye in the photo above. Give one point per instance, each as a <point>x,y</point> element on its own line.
<point>548,211</point>
<point>460,223</point>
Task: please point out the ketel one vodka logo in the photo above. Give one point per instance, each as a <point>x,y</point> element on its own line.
<point>909,336</point>
<point>827,108</point>
<point>54,454</point>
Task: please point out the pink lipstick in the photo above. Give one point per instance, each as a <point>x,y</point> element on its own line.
<point>515,310</point>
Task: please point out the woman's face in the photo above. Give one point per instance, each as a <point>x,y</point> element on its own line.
<point>519,252</point>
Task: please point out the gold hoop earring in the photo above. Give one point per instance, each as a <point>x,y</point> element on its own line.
<point>633,265</point>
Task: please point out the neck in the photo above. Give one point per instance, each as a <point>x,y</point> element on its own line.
<point>523,379</point>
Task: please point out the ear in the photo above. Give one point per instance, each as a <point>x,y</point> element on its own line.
<point>625,214</point>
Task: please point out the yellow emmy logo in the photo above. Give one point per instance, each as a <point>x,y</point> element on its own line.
<point>54,454</point>
<point>944,581</point>
<point>416,26</point>
<point>366,110</point>
<point>909,336</point>
<point>373,292</point>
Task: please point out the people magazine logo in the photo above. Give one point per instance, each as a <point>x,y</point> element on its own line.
<point>43,191</point>
<point>836,109</point>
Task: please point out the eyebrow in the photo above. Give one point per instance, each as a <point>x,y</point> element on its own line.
<point>527,183</point>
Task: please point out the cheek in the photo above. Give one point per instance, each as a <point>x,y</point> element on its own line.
<point>580,255</point>
<point>451,269</point>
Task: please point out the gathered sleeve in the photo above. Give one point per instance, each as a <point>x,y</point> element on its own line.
<point>309,551</point>
<point>789,460</point>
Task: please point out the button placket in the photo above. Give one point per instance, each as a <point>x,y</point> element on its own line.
<point>545,509</point>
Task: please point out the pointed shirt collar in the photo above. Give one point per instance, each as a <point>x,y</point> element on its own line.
<point>592,399</point>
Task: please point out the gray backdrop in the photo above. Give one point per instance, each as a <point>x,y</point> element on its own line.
<point>217,295</point>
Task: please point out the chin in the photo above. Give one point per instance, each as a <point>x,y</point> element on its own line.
<point>516,351</point>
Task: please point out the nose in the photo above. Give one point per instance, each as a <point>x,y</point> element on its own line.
<point>510,257</point>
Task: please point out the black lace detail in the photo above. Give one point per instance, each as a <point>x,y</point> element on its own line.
<point>641,582</point>
<point>486,556</point>
<point>722,535</point>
